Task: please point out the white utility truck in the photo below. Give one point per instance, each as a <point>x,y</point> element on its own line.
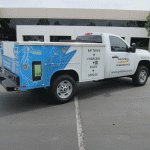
<point>59,65</point>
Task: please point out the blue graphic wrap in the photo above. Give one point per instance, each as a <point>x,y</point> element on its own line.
<point>7,63</point>
<point>56,60</point>
<point>11,64</point>
<point>2,50</point>
<point>52,59</point>
<point>17,60</point>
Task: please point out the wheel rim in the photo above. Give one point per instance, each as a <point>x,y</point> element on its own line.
<point>143,76</point>
<point>64,89</point>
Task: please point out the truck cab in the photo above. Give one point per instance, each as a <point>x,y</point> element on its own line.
<point>120,57</point>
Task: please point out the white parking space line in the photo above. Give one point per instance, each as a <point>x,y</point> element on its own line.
<point>81,142</point>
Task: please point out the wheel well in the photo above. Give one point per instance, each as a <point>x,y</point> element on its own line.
<point>145,63</point>
<point>72,73</point>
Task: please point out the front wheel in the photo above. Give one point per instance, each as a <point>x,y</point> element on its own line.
<point>141,75</point>
<point>63,88</point>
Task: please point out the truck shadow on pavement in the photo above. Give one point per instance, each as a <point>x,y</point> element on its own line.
<point>18,102</point>
<point>105,87</point>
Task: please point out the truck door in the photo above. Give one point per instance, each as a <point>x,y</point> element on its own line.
<point>122,61</point>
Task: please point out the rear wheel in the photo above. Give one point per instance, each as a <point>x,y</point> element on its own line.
<point>141,75</point>
<point>63,88</point>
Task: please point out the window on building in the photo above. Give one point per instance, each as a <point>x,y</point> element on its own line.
<point>33,38</point>
<point>117,45</point>
<point>59,38</point>
<point>8,25</point>
<point>141,43</point>
<point>12,22</point>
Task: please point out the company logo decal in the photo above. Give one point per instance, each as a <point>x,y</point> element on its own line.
<point>123,61</point>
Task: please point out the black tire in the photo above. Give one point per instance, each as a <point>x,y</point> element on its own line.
<point>63,88</point>
<point>141,75</point>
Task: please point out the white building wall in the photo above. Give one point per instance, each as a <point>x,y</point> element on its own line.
<point>73,13</point>
<point>73,31</point>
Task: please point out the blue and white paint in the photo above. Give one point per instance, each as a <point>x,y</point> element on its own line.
<point>52,59</point>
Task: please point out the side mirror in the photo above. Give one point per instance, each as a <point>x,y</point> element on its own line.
<point>132,48</point>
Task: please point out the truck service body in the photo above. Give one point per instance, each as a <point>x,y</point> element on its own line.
<point>59,65</point>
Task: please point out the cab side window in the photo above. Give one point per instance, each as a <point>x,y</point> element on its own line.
<point>117,45</point>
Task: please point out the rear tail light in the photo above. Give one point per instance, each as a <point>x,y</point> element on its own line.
<point>17,89</point>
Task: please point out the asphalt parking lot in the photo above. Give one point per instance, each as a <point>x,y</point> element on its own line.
<point>107,115</point>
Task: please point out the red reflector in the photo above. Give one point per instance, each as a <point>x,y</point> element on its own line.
<point>17,89</point>
<point>23,86</point>
<point>88,33</point>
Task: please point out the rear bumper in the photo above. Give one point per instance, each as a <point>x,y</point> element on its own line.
<point>8,80</point>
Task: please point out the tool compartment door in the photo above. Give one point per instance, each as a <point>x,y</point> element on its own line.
<point>31,66</point>
<point>93,63</point>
